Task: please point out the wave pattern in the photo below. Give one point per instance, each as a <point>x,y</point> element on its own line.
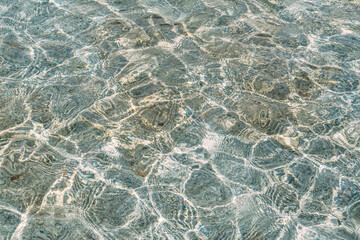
<point>192,119</point>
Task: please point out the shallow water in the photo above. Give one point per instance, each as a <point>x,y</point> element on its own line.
<point>169,119</point>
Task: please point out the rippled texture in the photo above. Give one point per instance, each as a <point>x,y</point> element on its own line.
<point>183,120</point>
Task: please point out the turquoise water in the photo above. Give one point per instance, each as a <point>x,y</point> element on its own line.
<point>179,119</point>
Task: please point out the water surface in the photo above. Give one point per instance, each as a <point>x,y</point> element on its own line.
<point>169,119</point>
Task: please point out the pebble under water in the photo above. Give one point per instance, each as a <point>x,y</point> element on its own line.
<point>179,119</point>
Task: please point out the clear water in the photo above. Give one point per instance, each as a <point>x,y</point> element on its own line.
<point>179,119</point>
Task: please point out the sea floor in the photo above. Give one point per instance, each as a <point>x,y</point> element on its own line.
<point>179,119</point>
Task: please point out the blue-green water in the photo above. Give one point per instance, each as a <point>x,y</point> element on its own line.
<point>179,119</point>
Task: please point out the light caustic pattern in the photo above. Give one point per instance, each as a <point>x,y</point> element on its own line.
<point>169,119</point>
